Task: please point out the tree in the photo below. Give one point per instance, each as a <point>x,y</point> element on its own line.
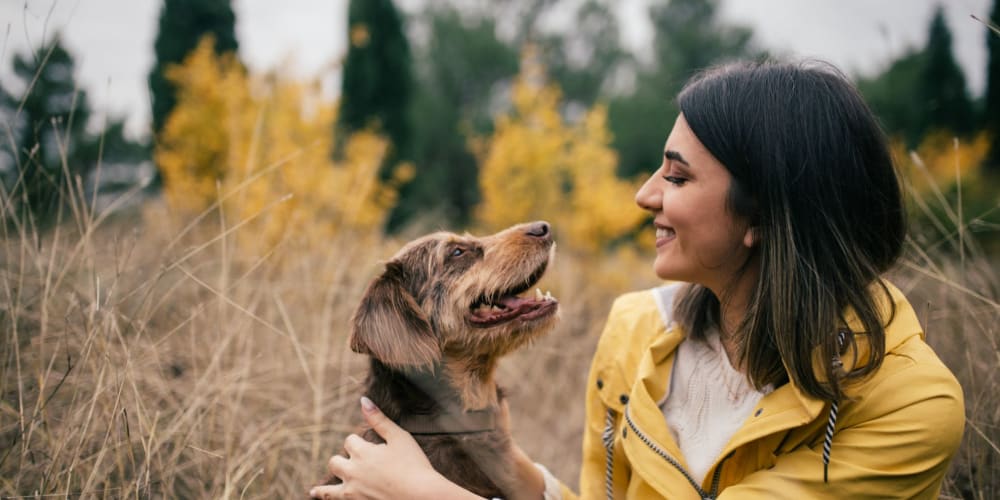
<point>182,25</point>
<point>991,111</point>
<point>688,37</point>
<point>377,88</point>
<point>49,145</point>
<point>942,89</point>
<point>586,59</point>
<point>461,66</point>
<point>892,94</point>
<point>464,68</point>
<point>270,147</point>
<point>922,92</point>
<point>537,165</point>
<point>377,84</point>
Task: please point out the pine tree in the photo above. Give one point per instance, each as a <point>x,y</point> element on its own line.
<point>182,25</point>
<point>377,83</point>
<point>376,92</point>
<point>891,95</point>
<point>51,146</point>
<point>942,90</point>
<point>991,111</point>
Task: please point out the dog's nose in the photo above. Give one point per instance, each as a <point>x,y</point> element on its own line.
<point>539,229</point>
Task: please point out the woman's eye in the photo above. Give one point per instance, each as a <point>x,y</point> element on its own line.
<point>677,181</point>
<point>456,252</point>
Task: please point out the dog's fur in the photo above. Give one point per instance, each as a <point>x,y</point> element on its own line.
<point>434,345</point>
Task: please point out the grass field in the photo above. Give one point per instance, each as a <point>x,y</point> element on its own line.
<point>148,359</point>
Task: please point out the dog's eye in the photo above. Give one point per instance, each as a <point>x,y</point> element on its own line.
<point>457,251</point>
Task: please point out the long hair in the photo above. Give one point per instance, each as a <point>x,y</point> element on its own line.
<point>813,174</point>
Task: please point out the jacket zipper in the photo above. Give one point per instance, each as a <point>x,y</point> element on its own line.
<point>705,495</point>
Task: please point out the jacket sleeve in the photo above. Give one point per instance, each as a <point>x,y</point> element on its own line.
<point>593,463</point>
<point>911,426</point>
<point>592,474</point>
<point>617,340</point>
<point>594,453</point>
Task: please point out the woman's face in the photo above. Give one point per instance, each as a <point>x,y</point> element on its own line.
<point>698,240</point>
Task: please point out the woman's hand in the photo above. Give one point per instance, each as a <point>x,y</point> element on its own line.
<point>396,469</point>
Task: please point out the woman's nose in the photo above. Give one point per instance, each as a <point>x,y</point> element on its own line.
<point>649,196</point>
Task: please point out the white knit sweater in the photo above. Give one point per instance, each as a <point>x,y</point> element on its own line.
<point>707,403</point>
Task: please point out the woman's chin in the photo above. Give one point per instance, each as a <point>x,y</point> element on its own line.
<point>666,272</point>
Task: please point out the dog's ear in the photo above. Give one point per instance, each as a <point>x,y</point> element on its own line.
<point>389,325</point>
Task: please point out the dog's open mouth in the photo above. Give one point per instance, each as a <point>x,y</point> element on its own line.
<point>515,303</point>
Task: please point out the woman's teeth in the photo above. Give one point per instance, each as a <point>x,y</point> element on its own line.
<point>664,233</point>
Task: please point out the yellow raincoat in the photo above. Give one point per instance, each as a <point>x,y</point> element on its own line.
<point>894,437</point>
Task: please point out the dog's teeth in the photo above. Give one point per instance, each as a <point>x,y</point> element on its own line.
<point>548,295</point>
<point>495,308</point>
<point>538,294</point>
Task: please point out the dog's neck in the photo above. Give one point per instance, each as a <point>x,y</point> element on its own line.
<point>473,381</point>
<point>443,399</point>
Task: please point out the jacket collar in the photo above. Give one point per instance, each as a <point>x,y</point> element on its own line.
<point>904,325</point>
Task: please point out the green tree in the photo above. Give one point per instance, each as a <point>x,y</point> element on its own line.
<point>991,111</point>
<point>377,91</point>
<point>377,85</point>
<point>942,90</point>
<point>48,146</point>
<point>922,90</point>
<point>892,94</point>
<point>182,24</point>
<point>586,59</point>
<point>689,36</point>
<point>461,65</point>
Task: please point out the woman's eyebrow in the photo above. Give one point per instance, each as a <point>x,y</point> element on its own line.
<point>676,156</point>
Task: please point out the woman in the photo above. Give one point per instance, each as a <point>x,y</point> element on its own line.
<point>782,365</point>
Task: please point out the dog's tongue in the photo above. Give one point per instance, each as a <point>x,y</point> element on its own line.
<point>515,302</point>
<point>511,307</point>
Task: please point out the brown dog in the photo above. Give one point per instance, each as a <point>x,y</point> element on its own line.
<point>435,324</point>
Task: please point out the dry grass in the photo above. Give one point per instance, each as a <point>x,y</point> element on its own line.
<point>149,360</point>
<point>144,359</point>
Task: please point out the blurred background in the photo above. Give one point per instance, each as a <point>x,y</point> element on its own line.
<point>194,194</point>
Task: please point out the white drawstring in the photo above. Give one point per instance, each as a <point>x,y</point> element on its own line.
<point>831,423</point>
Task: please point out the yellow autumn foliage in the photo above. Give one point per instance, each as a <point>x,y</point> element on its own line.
<point>538,166</point>
<point>940,159</point>
<point>262,147</point>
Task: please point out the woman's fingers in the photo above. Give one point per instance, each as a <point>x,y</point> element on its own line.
<point>354,445</point>
<point>379,422</point>
<point>338,466</point>
<point>396,469</point>
<point>327,492</point>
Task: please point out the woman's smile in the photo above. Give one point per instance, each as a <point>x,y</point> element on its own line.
<point>687,196</point>
<point>664,235</point>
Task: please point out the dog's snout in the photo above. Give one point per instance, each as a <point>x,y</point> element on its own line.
<point>540,230</point>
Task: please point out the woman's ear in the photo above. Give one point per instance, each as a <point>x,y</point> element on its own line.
<point>750,237</point>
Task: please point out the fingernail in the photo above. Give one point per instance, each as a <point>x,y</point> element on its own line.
<point>367,406</point>
<point>312,493</point>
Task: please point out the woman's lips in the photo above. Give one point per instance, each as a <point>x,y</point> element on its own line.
<point>664,235</point>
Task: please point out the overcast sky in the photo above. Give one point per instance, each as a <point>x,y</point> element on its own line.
<point>112,40</point>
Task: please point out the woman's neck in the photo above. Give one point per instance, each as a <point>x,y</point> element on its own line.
<point>734,301</point>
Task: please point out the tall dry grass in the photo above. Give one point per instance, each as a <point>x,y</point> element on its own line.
<point>144,358</point>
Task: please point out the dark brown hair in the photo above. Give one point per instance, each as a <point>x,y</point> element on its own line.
<point>813,174</point>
